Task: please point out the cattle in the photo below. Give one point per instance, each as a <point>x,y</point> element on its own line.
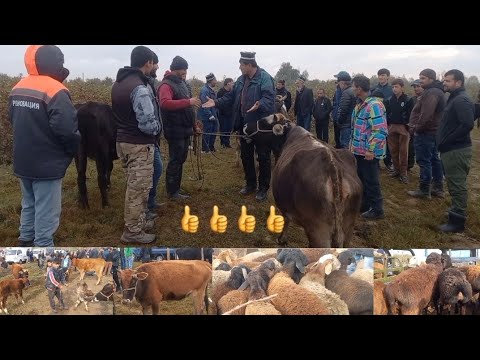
<point>15,287</point>
<point>107,294</point>
<point>86,265</point>
<point>84,294</point>
<point>313,184</point>
<point>151,283</point>
<point>195,254</point>
<point>97,125</point>
<point>19,272</point>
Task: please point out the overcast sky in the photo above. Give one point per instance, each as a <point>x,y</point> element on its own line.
<point>321,61</point>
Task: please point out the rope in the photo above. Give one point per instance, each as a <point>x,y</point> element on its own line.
<point>248,303</point>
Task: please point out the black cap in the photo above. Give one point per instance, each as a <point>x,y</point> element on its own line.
<point>303,78</point>
<point>210,77</point>
<point>247,56</point>
<point>179,63</point>
<point>343,76</point>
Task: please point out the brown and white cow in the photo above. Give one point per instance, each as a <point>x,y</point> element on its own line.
<point>9,287</point>
<point>167,280</point>
<point>19,272</point>
<point>84,294</point>
<point>86,265</point>
<point>313,184</point>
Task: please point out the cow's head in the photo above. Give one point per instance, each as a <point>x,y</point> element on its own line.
<point>25,281</point>
<point>271,130</point>
<point>23,274</point>
<point>129,280</point>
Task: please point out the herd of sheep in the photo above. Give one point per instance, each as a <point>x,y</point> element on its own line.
<point>434,285</point>
<point>293,282</point>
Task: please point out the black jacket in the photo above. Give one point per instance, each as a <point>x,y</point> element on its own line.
<point>304,102</point>
<point>322,109</point>
<point>457,122</point>
<point>398,109</point>
<point>345,108</point>
<point>44,120</point>
<point>226,111</point>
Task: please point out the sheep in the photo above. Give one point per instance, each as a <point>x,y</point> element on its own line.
<point>412,290</point>
<point>363,274</point>
<point>294,258</point>
<point>451,283</point>
<point>254,257</point>
<point>223,267</point>
<point>227,256</point>
<point>237,277</point>
<point>358,294</point>
<point>313,255</point>
<point>292,299</point>
<point>314,281</point>
<point>232,299</point>
<point>261,308</point>
<point>258,279</point>
<point>472,272</point>
<point>346,258</point>
<point>379,303</point>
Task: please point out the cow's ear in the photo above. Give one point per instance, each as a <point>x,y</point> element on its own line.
<point>141,276</point>
<point>277,129</point>
<point>328,268</point>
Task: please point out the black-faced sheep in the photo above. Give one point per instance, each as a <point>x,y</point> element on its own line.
<point>295,259</point>
<point>451,283</point>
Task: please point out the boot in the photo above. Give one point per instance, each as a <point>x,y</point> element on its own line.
<point>422,193</point>
<point>149,225</point>
<point>261,195</point>
<point>456,223</point>
<point>437,190</point>
<point>140,237</point>
<point>246,190</point>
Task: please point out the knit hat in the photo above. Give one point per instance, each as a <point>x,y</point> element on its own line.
<point>210,77</point>
<point>140,56</point>
<point>179,63</point>
<point>246,56</point>
<point>429,73</point>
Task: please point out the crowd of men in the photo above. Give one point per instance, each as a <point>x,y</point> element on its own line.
<point>374,123</point>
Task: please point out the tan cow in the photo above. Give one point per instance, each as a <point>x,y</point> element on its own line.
<point>15,287</point>
<point>167,280</point>
<point>86,265</point>
<point>19,272</point>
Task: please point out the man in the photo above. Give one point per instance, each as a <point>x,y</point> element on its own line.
<point>225,116</point>
<point>54,286</point>
<point>152,204</point>
<point>398,114</point>
<point>424,121</point>
<point>115,263</point>
<point>179,121</point>
<point>303,104</point>
<point>335,103</point>
<point>345,108</point>
<point>321,113</point>
<point>45,140</point>
<point>418,90</point>
<point>284,93</point>
<point>383,85</point>
<point>252,99</point>
<point>369,126</point>
<point>208,116</point>
<point>138,126</point>
<point>455,147</point>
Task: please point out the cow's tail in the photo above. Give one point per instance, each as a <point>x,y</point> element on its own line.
<point>205,299</point>
<point>338,236</point>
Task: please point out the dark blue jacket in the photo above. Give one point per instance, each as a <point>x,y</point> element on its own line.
<point>336,102</point>
<point>261,88</point>
<point>205,114</point>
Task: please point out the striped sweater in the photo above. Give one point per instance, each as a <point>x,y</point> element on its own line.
<point>369,128</point>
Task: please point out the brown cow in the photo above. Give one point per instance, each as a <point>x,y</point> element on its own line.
<point>167,280</point>
<point>85,265</point>
<point>15,287</point>
<point>313,184</point>
<point>19,272</point>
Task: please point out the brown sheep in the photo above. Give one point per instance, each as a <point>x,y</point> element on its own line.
<point>472,272</point>
<point>231,300</point>
<point>313,255</point>
<point>379,303</point>
<point>292,299</point>
<point>261,308</point>
<point>378,266</point>
<point>412,290</point>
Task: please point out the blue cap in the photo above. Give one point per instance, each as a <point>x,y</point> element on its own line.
<point>343,76</point>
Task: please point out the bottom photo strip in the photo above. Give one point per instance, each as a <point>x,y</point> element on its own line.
<point>223,281</point>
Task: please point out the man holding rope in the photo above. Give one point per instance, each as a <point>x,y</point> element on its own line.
<point>252,98</point>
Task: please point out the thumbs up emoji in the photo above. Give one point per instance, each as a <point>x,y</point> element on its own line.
<point>189,222</point>
<point>246,223</point>
<point>218,223</point>
<point>275,223</point>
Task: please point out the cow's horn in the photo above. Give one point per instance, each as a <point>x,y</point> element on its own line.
<point>277,129</point>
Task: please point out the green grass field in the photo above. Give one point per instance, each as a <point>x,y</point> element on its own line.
<point>409,223</point>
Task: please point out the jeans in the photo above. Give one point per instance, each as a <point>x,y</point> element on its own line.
<point>304,121</point>
<point>345,135</point>
<point>368,173</point>
<point>157,172</point>
<point>130,262</point>
<point>41,208</point>
<point>428,159</point>
<point>208,142</point>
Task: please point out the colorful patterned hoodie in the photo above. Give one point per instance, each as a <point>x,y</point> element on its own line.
<point>369,128</point>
